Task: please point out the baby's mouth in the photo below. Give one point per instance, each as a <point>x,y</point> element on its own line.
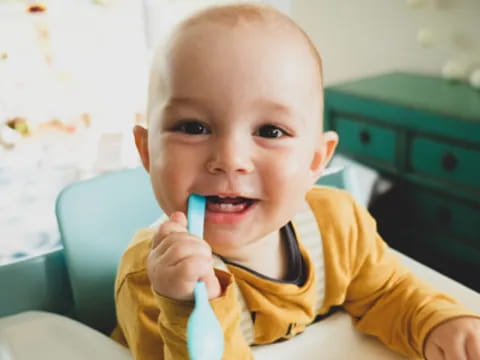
<point>220,204</point>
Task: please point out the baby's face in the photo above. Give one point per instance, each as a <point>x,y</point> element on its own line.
<point>240,123</point>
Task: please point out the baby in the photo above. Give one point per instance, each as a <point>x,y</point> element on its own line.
<point>235,114</point>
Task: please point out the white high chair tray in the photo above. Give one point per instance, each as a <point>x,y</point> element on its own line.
<point>40,335</point>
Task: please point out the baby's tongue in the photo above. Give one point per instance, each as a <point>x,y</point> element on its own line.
<point>226,205</point>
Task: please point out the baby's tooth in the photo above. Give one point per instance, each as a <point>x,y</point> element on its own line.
<point>230,207</point>
<point>226,206</point>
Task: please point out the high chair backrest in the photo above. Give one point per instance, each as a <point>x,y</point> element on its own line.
<point>341,178</point>
<point>97,218</point>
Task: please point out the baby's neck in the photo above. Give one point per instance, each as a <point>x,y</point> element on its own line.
<point>267,256</point>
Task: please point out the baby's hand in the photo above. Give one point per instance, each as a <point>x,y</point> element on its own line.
<point>456,339</point>
<point>178,260</point>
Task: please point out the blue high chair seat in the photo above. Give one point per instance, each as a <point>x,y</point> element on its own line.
<point>97,218</point>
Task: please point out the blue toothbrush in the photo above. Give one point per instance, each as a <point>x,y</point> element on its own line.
<point>204,333</point>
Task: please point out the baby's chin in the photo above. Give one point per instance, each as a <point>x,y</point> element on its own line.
<point>236,245</point>
<point>226,245</point>
<point>223,245</point>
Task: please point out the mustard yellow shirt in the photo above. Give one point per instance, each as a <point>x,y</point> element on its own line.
<point>361,275</point>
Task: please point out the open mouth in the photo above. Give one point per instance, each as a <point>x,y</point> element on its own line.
<point>221,204</point>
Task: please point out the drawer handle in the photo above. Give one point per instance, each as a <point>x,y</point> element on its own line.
<point>444,215</point>
<point>364,137</point>
<point>449,161</point>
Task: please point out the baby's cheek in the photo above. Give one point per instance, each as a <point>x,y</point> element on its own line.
<point>289,189</point>
<point>167,188</point>
<point>292,176</point>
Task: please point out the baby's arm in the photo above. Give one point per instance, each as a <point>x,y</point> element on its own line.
<point>153,308</point>
<point>386,299</point>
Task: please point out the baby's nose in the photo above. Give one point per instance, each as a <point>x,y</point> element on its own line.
<point>232,155</point>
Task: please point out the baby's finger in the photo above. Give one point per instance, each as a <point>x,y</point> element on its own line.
<point>176,223</point>
<point>194,267</point>
<point>175,239</point>
<point>190,270</point>
<point>473,347</point>
<point>455,349</point>
<point>185,247</point>
<point>212,283</point>
<point>433,352</point>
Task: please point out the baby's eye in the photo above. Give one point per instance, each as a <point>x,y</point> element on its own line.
<point>270,131</point>
<point>192,127</point>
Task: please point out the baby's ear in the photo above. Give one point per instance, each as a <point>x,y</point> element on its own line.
<point>141,141</point>
<point>323,153</point>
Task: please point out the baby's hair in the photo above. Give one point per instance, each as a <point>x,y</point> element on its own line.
<point>233,15</point>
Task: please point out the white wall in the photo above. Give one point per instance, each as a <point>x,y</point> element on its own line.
<point>359,38</point>
<point>162,15</point>
<point>96,61</point>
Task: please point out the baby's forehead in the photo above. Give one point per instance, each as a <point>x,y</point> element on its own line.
<point>243,20</point>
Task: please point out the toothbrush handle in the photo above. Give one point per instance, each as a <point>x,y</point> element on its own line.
<point>200,292</point>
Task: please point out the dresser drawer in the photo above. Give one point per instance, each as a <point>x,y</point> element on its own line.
<point>368,141</point>
<point>446,216</point>
<point>450,257</point>
<point>445,162</point>
<point>448,248</point>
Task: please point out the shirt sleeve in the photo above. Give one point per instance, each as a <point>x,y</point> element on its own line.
<point>154,327</point>
<point>385,299</point>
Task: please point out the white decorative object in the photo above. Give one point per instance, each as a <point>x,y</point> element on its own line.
<point>475,79</point>
<point>426,37</point>
<point>454,70</point>
<point>416,4</point>
<point>8,137</point>
<point>462,40</point>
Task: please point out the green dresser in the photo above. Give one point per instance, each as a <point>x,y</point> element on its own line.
<point>423,133</point>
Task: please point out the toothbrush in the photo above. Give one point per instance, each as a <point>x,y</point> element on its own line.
<point>204,333</point>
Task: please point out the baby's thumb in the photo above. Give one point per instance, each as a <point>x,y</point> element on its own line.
<point>214,288</point>
<point>179,217</point>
